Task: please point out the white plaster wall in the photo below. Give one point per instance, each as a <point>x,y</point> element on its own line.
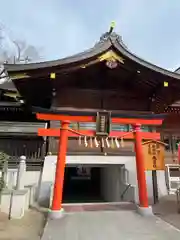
<point>47,180</point>
<point>111,183</point>
<point>30,178</point>
<point>110,160</point>
<point>131,177</point>
<point>162,188</point>
<point>130,166</point>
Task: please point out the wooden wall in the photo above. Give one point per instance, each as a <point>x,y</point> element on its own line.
<point>74,147</point>
<point>110,100</point>
<point>171,125</point>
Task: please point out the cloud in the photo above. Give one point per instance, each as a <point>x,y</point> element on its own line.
<point>149,28</point>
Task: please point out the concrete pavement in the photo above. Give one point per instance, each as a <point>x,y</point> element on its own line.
<point>109,225</point>
<point>167,210</point>
<point>28,228</point>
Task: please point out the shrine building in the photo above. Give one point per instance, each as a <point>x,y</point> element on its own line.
<point>91,112</point>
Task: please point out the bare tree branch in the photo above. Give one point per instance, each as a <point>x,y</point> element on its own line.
<point>23,52</point>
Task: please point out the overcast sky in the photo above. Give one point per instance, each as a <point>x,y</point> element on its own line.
<point>151,29</point>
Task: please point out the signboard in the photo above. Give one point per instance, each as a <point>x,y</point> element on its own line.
<point>103,123</point>
<point>154,155</point>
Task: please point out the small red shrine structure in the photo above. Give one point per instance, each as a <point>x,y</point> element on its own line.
<point>65,131</point>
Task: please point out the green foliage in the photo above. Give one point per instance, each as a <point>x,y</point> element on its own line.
<point>2,184</point>
<point>4,163</point>
<point>3,157</point>
<point>74,126</point>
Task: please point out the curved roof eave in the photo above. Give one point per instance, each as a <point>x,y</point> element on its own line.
<point>97,49</point>
<point>177,70</point>
<point>100,47</point>
<point>124,51</point>
<point>8,85</point>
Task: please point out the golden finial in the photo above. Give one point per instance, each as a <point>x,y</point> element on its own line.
<point>113,24</point>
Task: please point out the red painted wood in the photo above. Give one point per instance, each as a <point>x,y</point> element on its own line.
<point>60,168</point>
<point>53,132</point>
<point>141,177</point>
<point>140,121</point>
<point>55,117</point>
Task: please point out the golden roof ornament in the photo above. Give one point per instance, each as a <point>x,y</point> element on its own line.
<point>112,26</point>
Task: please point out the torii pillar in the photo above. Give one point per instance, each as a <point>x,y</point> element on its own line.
<point>56,209</point>
<point>143,208</point>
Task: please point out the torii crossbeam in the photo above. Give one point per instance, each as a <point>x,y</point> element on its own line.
<point>64,132</point>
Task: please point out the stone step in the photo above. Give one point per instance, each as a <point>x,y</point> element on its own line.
<point>99,207</point>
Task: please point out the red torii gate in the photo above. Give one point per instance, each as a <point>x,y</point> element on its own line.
<point>64,132</point>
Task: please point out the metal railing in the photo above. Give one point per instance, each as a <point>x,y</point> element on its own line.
<point>125,191</point>
<point>31,164</point>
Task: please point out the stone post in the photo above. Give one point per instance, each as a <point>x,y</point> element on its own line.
<point>20,174</point>
<point>11,177</point>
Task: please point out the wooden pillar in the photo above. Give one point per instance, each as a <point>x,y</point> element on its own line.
<point>178,162</point>
<point>154,181</point>
<point>60,167</point>
<point>141,177</point>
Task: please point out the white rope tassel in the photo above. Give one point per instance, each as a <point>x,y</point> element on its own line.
<point>80,141</point>
<point>96,142</point>
<point>91,142</point>
<point>122,142</point>
<point>85,141</point>
<point>102,142</point>
<point>117,143</point>
<point>107,143</point>
<point>112,143</point>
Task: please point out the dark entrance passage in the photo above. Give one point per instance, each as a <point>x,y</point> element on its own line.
<point>82,185</point>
